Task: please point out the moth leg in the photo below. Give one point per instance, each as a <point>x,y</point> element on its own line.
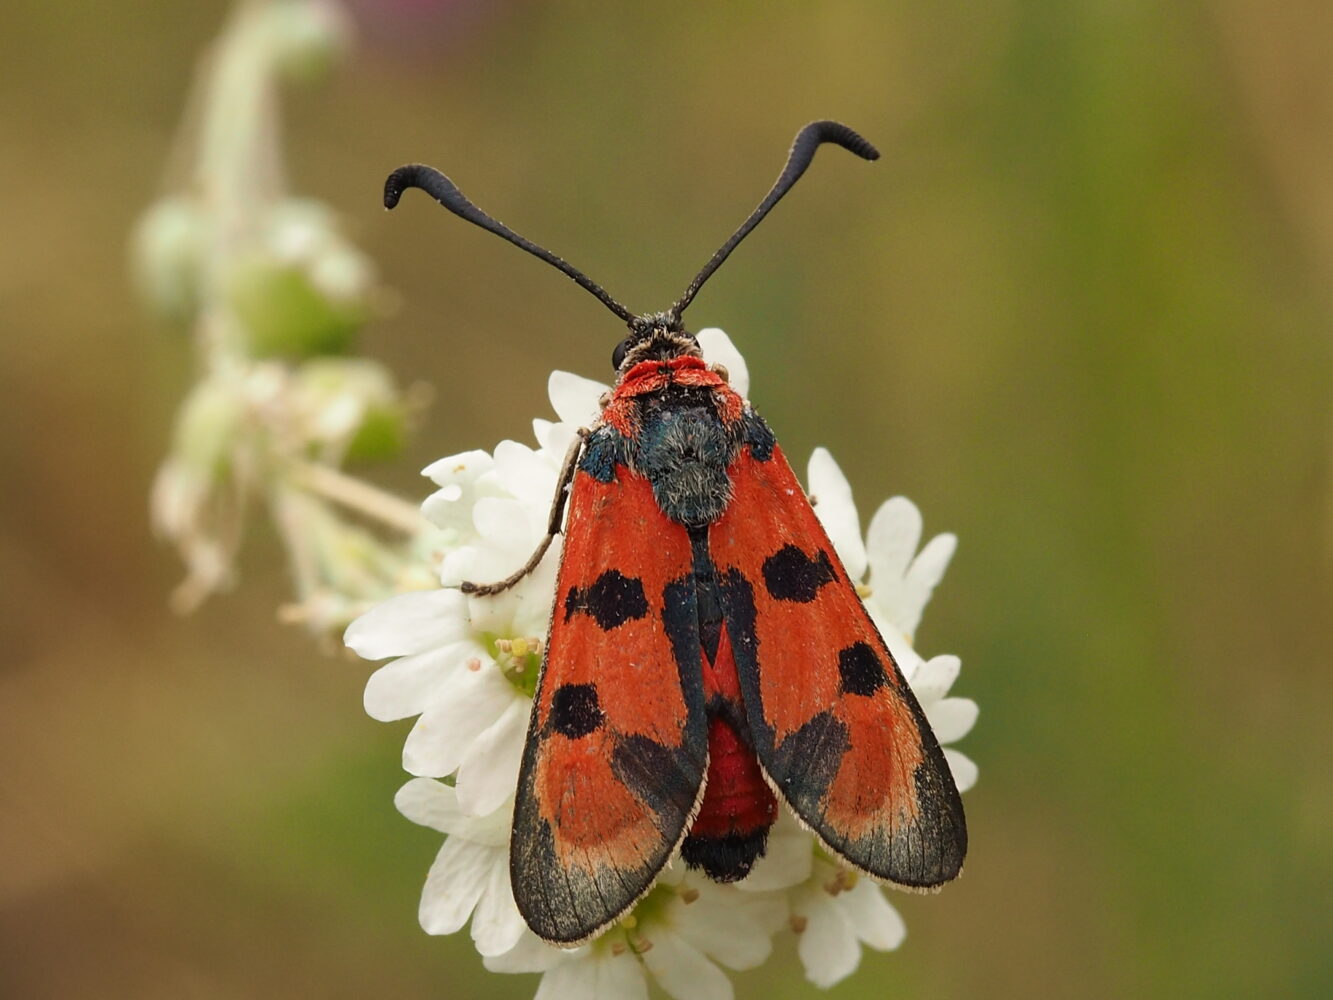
<point>571,463</point>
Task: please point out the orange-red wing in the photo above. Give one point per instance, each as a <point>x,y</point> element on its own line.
<point>617,743</point>
<point>835,726</point>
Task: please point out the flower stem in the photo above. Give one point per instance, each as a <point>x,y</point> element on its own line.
<point>360,496</point>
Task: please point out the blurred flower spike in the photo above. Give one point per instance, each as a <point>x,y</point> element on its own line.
<point>272,294</point>
<point>465,667</point>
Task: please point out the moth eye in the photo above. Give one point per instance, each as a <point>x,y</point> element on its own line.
<point>722,373</point>
<point>618,355</point>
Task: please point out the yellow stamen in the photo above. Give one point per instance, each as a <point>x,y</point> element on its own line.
<point>798,923</point>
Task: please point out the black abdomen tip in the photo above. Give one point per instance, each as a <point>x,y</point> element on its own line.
<point>728,858</point>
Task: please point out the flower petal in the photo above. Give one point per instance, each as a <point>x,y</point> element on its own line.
<point>732,927</point>
<point>488,771</point>
<point>497,925</point>
<point>934,678</point>
<point>525,473</point>
<point>554,438</point>
<point>828,947</point>
<point>454,885</point>
<point>926,572</point>
<point>964,771</point>
<point>595,976</point>
<point>446,731</point>
<point>428,802</point>
<point>530,954</point>
<point>530,602</point>
<point>787,859</point>
<point>506,525</point>
<point>952,718</point>
<point>837,511</point>
<point>895,532</point>
<point>408,685</point>
<point>450,507</point>
<point>719,350</point>
<point>408,623</point>
<point>459,470</point>
<point>682,970</point>
<point>620,976</point>
<point>574,397</point>
<point>876,922</point>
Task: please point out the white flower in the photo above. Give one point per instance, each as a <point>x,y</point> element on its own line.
<point>466,666</point>
<point>833,913</point>
<point>679,934</point>
<point>472,715</point>
<point>833,910</point>
<point>470,876</point>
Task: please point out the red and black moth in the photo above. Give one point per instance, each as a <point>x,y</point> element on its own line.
<point>708,654</point>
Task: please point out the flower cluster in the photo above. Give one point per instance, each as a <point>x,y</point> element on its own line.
<point>466,667</point>
<point>272,295</point>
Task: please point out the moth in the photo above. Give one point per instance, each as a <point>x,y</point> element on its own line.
<point>708,656</point>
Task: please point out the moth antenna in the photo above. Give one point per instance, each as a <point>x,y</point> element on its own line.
<point>443,190</point>
<point>803,149</point>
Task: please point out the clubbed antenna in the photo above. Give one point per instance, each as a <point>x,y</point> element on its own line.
<point>803,149</point>
<point>443,190</point>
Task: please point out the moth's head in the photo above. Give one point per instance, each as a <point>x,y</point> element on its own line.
<point>654,337</point>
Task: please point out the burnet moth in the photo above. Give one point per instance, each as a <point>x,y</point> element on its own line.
<point>708,654</point>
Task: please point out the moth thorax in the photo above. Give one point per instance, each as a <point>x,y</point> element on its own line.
<point>684,452</point>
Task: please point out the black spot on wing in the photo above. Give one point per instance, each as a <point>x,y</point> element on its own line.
<point>791,575</point>
<point>575,711</point>
<point>612,599</point>
<point>861,670</point>
<point>805,763</point>
<point>665,780</point>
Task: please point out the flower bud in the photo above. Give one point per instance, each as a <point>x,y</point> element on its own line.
<point>350,405</point>
<point>207,427</point>
<point>167,250</point>
<point>284,314</point>
<point>304,290</point>
<point>308,37</point>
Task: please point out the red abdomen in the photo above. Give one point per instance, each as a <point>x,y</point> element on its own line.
<point>731,829</point>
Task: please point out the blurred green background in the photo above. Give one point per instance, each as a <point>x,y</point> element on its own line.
<point>1080,312</point>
